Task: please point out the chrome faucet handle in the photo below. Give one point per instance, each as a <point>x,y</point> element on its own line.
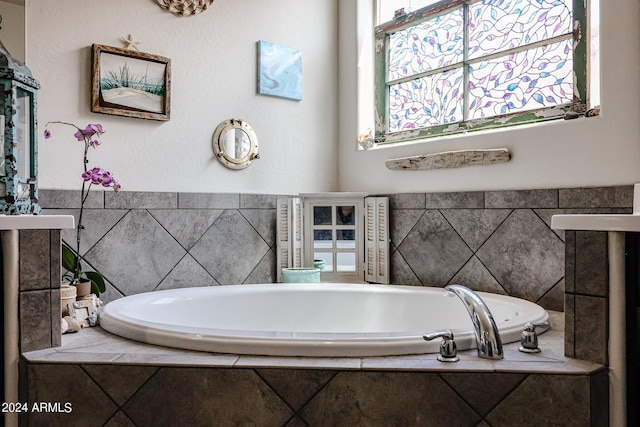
<point>448,348</point>
<point>529,338</point>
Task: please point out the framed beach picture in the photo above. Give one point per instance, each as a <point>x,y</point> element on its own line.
<point>130,83</point>
<point>279,71</point>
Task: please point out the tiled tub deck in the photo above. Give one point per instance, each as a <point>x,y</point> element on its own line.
<point>112,381</point>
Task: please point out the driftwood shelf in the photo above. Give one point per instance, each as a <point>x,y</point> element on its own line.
<point>450,159</point>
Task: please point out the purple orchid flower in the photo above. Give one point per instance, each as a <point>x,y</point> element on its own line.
<point>90,135</point>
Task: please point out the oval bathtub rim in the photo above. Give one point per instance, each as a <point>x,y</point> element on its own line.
<point>303,344</point>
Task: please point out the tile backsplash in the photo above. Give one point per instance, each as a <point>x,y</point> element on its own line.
<point>496,241</point>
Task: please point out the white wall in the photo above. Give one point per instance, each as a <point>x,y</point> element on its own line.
<point>214,70</point>
<point>588,152</point>
<point>305,146</point>
<point>12,32</point>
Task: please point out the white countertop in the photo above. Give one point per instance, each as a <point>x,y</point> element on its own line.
<point>36,222</point>
<point>596,222</point>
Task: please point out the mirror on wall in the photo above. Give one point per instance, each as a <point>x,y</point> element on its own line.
<point>235,144</point>
<point>343,234</point>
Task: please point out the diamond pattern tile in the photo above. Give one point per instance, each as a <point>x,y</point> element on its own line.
<point>147,395</point>
<point>265,271</point>
<point>97,223</point>
<point>401,273</point>
<point>296,422</point>
<point>67,383</point>
<point>136,254</point>
<point>472,386</point>
<point>475,276</point>
<point>120,382</point>
<point>263,221</point>
<point>382,398</point>
<point>475,225</point>
<point>187,274</point>
<point>402,221</point>
<point>120,420</point>
<point>296,387</point>
<point>186,225</point>
<point>556,393</point>
<point>230,239</point>
<point>434,250</point>
<point>524,255</point>
<point>230,249</point>
<point>207,397</point>
<point>554,299</point>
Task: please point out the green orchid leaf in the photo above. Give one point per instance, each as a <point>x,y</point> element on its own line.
<point>68,258</point>
<point>97,282</point>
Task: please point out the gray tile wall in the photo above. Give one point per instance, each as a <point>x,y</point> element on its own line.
<point>39,289</point>
<point>587,296</point>
<point>495,241</point>
<point>114,395</point>
<point>143,241</point>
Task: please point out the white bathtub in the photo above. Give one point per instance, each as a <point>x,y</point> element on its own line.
<point>319,319</point>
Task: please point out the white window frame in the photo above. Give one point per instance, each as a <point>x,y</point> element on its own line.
<point>295,235</point>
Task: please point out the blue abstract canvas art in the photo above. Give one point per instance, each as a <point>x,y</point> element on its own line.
<point>279,71</point>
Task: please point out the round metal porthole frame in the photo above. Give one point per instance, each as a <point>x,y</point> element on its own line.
<point>218,144</point>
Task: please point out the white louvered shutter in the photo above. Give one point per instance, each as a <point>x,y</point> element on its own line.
<point>296,232</point>
<point>289,246</point>
<point>376,235</point>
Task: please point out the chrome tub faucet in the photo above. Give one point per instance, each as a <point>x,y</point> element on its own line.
<point>486,331</point>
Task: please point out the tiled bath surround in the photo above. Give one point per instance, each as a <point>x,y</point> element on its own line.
<point>112,381</point>
<point>498,241</point>
<point>495,241</point>
<point>151,241</point>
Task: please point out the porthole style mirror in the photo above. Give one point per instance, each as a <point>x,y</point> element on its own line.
<point>235,144</point>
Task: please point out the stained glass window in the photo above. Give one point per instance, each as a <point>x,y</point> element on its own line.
<point>459,65</point>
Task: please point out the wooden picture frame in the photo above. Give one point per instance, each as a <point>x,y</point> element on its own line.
<point>130,83</point>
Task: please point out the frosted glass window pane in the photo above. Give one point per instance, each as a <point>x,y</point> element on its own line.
<point>426,46</point>
<point>522,81</point>
<point>428,101</point>
<point>506,25</point>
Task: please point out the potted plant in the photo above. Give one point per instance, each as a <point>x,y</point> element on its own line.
<point>71,258</point>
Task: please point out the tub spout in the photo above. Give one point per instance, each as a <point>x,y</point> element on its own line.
<point>486,331</point>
